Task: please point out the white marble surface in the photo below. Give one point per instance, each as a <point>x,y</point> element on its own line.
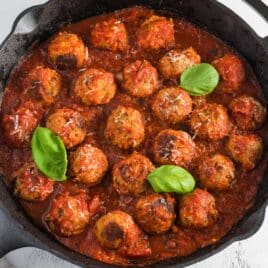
<point>250,253</point>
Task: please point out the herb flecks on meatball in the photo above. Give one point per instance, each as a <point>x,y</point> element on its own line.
<point>69,125</point>
<point>155,213</point>
<point>172,104</point>
<point>173,63</point>
<point>95,86</point>
<point>125,127</point>
<point>173,147</point>
<point>156,32</point>
<point>88,164</point>
<point>110,34</point>
<point>130,174</point>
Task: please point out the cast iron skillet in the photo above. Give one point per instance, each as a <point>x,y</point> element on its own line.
<point>38,22</point>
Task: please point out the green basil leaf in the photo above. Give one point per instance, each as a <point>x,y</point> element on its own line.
<point>200,79</point>
<point>171,179</point>
<point>49,154</point>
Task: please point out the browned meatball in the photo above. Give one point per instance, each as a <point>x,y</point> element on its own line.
<point>140,78</point>
<point>175,62</point>
<point>232,72</point>
<point>117,230</point>
<point>69,125</point>
<point>125,127</point>
<point>69,214</point>
<point>95,86</point>
<point>44,82</point>
<point>248,113</point>
<point>156,32</point>
<point>130,174</point>
<point>20,124</point>
<point>155,213</point>
<point>88,164</point>
<point>173,147</point>
<point>198,209</point>
<point>67,51</point>
<point>110,34</point>
<point>245,149</point>
<point>32,185</point>
<point>216,172</point>
<point>210,121</point>
<point>172,104</point>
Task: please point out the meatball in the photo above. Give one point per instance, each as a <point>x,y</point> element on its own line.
<point>216,172</point>
<point>44,82</point>
<point>95,86</point>
<point>67,51</point>
<point>20,124</point>
<point>198,209</point>
<point>247,112</point>
<point>210,121</point>
<point>117,230</point>
<point>69,214</point>
<point>125,127</point>
<point>175,62</point>
<point>155,213</point>
<point>245,149</point>
<point>140,78</point>
<point>172,104</point>
<point>173,147</point>
<point>32,185</point>
<point>110,34</point>
<point>156,32</point>
<point>232,72</point>
<point>88,164</point>
<point>130,174</point>
<point>69,125</point>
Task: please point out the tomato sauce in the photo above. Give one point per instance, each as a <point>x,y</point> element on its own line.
<point>232,204</point>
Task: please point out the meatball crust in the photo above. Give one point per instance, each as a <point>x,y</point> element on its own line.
<point>140,78</point>
<point>130,174</point>
<point>19,125</point>
<point>125,127</point>
<point>88,164</point>
<point>210,121</point>
<point>247,112</point>
<point>155,213</point>
<point>173,147</point>
<point>117,230</point>
<point>156,32</point>
<point>67,51</point>
<point>43,81</point>
<point>245,149</point>
<point>69,125</point>
<point>110,34</point>
<point>216,172</point>
<point>172,104</point>
<point>198,209</point>
<point>31,185</point>
<point>95,86</point>
<point>232,72</point>
<point>69,214</point>
<point>175,62</point>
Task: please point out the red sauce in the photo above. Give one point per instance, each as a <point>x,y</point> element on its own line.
<point>232,204</point>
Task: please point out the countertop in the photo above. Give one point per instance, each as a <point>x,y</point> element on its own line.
<point>250,253</point>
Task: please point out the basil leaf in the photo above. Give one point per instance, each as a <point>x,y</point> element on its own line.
<point>49,154</point>
<point>200,79</point>
<point>171,179</point>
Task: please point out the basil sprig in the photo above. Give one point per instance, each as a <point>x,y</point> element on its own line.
<point>171,179</point>
<point>49,154</point>
<point>200,79</point>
